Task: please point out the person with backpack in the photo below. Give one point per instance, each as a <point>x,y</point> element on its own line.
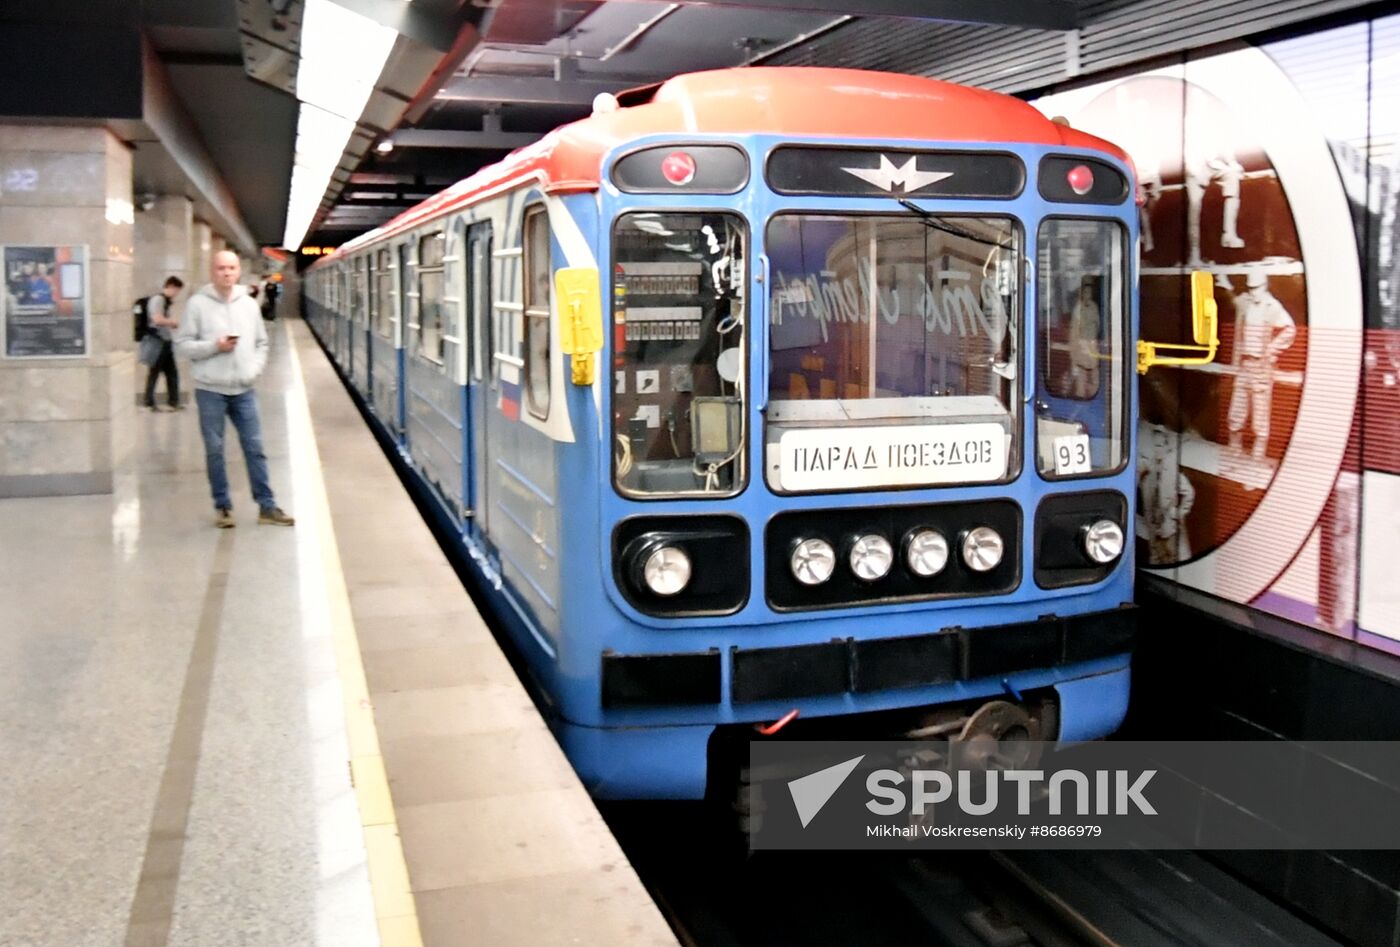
<point>157,345</point>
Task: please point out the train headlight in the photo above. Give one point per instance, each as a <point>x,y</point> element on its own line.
<point>926,553</point>
<point>813,561</point>
<point>871,557</point>
<point>667,571</point>
<point>982,549</point>
<point>1103,541</point>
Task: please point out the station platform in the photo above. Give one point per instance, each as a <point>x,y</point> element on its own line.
<point>276,736</point>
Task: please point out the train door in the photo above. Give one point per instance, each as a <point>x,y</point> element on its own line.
<point>432,356</point>
<point>501,406</point>
<point>404,318</point>
<point>371,308</point>
<point>362,292</point>
<point>347,311</point>
<point>384,365</point>
<point>478,328</point>
<point>359,325</point>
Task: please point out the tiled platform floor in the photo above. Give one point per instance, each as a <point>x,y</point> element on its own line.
<point>173,729</point>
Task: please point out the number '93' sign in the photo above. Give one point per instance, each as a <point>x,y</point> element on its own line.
<point>1072,454</point>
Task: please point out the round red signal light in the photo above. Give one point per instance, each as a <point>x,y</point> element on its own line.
<point>678,168</point>
<point>1081,179</point>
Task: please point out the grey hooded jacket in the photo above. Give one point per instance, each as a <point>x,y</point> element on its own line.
<point>208,318</point>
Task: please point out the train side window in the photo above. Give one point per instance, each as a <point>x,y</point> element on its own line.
<point>1082,311</point>
<point>430,297</point>
<point>371,298</point>
<point>384,295</point>
<point>479,294</point>
<point>361,265</point>
<point>537,278</point>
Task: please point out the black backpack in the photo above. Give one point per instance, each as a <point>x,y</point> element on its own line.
<point>140,318</point>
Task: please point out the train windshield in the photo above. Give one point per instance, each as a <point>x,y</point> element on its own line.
<point>893,350</point>
<point>679,285</point>
<point>1081,329</point>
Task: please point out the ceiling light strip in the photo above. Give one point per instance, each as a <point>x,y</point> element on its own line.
<point>342,56</point>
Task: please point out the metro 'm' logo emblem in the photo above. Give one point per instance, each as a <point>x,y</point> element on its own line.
<point>907,176</point>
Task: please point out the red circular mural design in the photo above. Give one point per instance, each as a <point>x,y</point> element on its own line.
<point>1210,439</point>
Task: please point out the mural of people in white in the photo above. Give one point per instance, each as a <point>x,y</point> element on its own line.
<point>1165,496</point>
<point>1238,460</point>
<point>1200,172</point>
<point>1263,331</point>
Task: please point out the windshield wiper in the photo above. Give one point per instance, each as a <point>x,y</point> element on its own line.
<point>938,223</point>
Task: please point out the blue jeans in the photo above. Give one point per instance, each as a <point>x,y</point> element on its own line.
<point>243,411</point>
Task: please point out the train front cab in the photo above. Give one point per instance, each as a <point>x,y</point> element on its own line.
<point>830,372</point>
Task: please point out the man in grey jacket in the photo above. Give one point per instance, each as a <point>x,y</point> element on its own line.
<point>222,334</point>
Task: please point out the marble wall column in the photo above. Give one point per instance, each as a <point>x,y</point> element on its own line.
<point>201,249</point>
<point>163,243</point>
<point>252,271</point>
<point>164,238</point>
<point>67,423</point>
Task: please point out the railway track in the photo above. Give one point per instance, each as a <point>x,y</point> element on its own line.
<point>715,894</point>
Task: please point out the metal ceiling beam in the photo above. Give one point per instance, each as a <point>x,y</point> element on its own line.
<point>527,90</point>
<point>1034,14</point>
<point>443,138</point>
<point>409,19</point>
<point>343,226</point>
<point>533,22</point>
<point>364,220</point>
<point>359,210</point>
<point>370,177</point>
<point>165,115</point>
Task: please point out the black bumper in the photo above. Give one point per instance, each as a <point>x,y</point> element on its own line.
<point>866,665</point>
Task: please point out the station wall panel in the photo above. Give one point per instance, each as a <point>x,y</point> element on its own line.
<point>1266,478</point>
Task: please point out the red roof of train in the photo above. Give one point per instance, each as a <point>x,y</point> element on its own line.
<point>795,101</point>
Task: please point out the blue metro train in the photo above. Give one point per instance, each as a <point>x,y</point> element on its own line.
<point>775,400</point>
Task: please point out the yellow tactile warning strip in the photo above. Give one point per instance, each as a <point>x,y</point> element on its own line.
<point>394,908</point>
<point>493,820</point>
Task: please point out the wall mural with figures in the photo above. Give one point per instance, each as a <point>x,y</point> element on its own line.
<point>1272,476</point>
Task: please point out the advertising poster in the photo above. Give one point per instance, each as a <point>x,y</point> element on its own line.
<point>45,302</point>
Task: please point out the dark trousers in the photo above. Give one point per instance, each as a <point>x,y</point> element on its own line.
<point>165,365</point>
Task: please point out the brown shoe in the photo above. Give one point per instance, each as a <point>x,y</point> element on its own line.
<point>224,519</point>
<point>273,516</point>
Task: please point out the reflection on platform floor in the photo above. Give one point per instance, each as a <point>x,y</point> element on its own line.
<point>170,715</point>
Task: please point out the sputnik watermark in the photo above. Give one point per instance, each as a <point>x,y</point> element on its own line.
<point>947,831</point>
<point>1112,793</point>
<point>916,792</point>
<point>949,794</point>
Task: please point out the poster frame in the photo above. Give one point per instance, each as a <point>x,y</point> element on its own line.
<point>86,261</point>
